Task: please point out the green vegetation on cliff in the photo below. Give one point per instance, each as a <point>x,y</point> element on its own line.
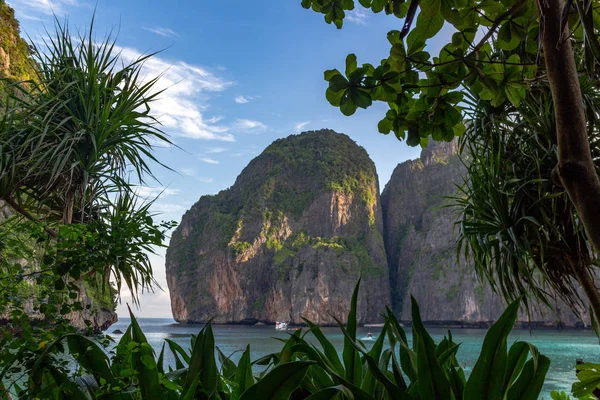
<point>302,220</point>
<point>15,61</point>
<point>279,184</point>
<point>291,172</point>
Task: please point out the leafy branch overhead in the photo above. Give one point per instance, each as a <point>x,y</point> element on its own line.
<point>421,89</point>
<point>500,54</point>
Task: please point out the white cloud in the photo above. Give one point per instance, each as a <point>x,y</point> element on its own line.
<point>188,171</point>
<point>243,99</point>
<point>187,90</point>
<point>152,192</point>
<point>166,32</point>
<point>216,150</point>
<point>48,7</point>
<point>358,16</point>
<point>249,125</point>
<point>205,180</point>
<point>168,208</point>
<point>198,129</point>
<point>209,160</point>
<point>22,16</point>
<point>213,120</point>
<point>301,125</point>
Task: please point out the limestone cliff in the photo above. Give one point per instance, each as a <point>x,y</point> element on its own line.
<point>288,240</point>
<point>15,63</point>
<point>421,247</point>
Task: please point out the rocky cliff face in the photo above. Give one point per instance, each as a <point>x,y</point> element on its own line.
<point>15,63</point>
<point>421,247</point>
<point>288,240</point>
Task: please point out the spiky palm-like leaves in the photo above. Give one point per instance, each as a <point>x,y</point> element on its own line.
<point>81,131</point>
<point>74,142</point>
<point>518,224</point>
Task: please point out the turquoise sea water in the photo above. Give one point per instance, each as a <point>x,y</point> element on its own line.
<point>562,347</point>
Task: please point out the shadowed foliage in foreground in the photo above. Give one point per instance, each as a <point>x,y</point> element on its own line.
<point>391,369</point>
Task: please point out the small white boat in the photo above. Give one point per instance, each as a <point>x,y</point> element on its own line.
<point>281,326</point>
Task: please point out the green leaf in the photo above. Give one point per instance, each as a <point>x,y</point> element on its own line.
<point>334,98</point>
<point>338,83</point>
<point>530,382</point>
<point>330,73</point>
<point>385,125</point>
<point>427,27</point>
<point>68,389</point>
<point>347,106</point>
<point>378,5</point>
<point>507,40</point>
<point>398,57</point>
<point>190,393</point>
<point>90,357</point>
<point>459,129</point>
<point>360,97</point>
<point>430,8</point>
<point>432,381</point>
<point>515,93</point>
<point>202,361</point>
<point>143,362</point>
<point>329,349</point>
<point>414,137</point>
<point>160,361</point>
<point>331,393</point>
<point>350,64</point>
<point>408,358</point>
<point>369,381</point>
<point>351,358</point>
<point>456,376</point>
<point>279,383</point>
<point>517,356</point>
<point>177,351</point>
<point>243,376</point>
<point>227,366</point>
<point>393,390</point>
<point>488,376</point>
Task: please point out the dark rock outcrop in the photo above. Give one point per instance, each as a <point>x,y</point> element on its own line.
<point>288,240</point>
<point>421,245</point>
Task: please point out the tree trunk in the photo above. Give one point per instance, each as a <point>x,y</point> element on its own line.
<point>67,218</point>
<point>575,167</point>
<point>586,279</point>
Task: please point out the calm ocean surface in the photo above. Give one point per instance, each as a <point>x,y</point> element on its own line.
<point>562,347</point>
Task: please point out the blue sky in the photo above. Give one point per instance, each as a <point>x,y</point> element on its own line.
<point>240,74</point>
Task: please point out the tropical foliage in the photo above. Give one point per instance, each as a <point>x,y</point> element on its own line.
<point>74,143</point>
<point>307,367</point>
<point>520,228</point>
<point>525,50</point>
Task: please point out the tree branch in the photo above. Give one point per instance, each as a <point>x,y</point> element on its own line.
<point>17,207</point>
<point>497,23</point>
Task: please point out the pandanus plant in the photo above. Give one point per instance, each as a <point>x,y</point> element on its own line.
<point>308,366</point>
